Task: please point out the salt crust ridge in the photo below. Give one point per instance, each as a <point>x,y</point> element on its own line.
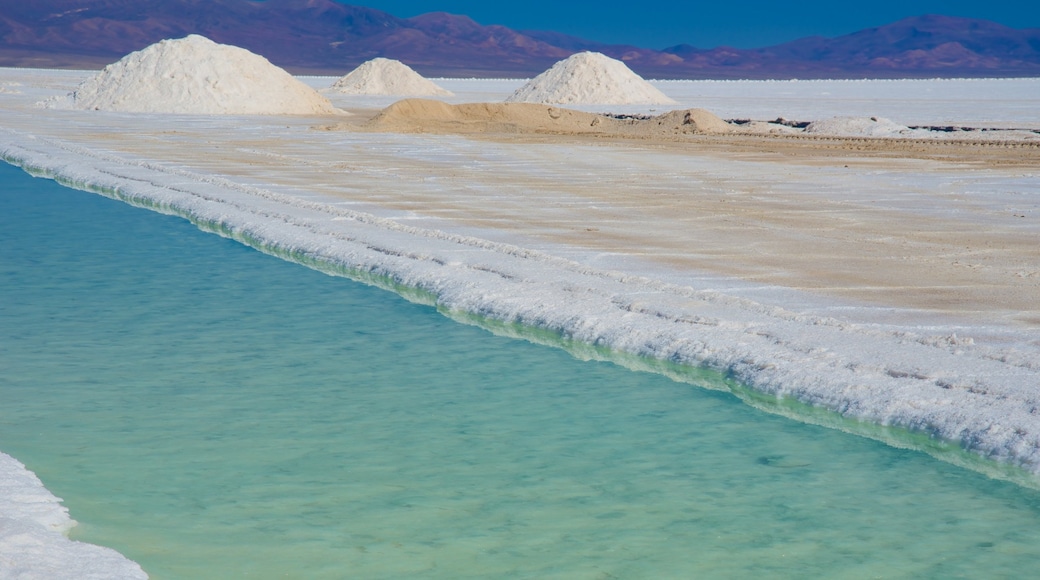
<point>194,75</point>
<point>589,78</point>
<point>384,76</point>
<point>931,381</point>
<point>860,127</point>
<point>33,545</point>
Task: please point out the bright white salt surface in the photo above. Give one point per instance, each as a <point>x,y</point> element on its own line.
<point>194,75</point>
<point>591,78</point>
<point>865,361</point>
<point>384,76</point>
<point>33,528</point>
<point>858,127</point>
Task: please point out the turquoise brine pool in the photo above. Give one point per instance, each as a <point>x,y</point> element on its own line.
<point>213,412</point>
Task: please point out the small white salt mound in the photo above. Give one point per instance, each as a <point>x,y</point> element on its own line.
<point>385,76</point>
<point>33,524</point>
<point>589,78</point>
<point>858,127</point>
<point>195,75</point>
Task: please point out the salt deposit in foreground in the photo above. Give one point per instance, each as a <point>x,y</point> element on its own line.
<point>33,529</point>
<point>589,78</point>
<point>384,76</point>
<point>194,75</point>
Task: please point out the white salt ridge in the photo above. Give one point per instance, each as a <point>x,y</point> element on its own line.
<point>930,380</point>
<point>33,528</point>
<point>384,76</point>
<point>195,75</point>
<point>859,127</point>
<point>589,78</point>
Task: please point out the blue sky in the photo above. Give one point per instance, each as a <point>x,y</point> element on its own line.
<point>739,23</point>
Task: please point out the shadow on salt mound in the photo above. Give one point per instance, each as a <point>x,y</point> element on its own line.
<point>589,78</point>
<point>858,127</point>
<point>424,115</point>
<point>194,75</point>
<point>384,76</point>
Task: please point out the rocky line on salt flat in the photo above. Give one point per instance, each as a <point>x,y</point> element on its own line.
<point>928,381</point>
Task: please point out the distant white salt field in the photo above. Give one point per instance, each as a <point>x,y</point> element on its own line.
<point>1004,103</point>
<point>194,75</point>
<point>909,102</point>
<point>385,76</point>
<point>589,78</point>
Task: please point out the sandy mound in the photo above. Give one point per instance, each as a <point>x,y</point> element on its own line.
<point>858,127</point>
<point>428,116</point>
<point>423,115</point>
<point>384,76</point>
<point>195,75</point>
<point>589,78</point>
<point>690,121</point>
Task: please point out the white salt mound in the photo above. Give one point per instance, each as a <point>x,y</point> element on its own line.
<point>384,76</point>
<point>194,75</point>
<point>33,524</point>
<point>589,78</point>
<point>858,127</point>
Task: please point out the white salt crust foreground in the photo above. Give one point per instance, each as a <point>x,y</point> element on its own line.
<point>384,76</point>
<point>982,398</point>
<point>589,78</point>
<point>195,75</point>
<point>33,545</point>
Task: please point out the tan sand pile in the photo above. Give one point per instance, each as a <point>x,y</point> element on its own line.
<point>384,76</point>
<point>690,121</point>
<point>195,75</point>
<point>424,115</point>
<point>589,78</point>
<point>429,116</point>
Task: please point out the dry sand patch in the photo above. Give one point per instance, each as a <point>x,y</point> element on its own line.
<point>796,212</point>
<point>694,130</point>
<point>429,116</point>
<point>851,250</point>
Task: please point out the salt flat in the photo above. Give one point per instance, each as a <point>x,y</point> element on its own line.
<point>891,283</point>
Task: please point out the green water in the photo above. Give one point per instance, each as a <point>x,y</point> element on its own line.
<point>213,412</point>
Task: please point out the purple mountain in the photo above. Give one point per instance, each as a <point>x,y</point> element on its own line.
<point>322,36</point>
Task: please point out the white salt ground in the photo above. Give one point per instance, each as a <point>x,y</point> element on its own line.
<point>195,75</point>
<point>589,78</point>
<point>859,127</point>
<point>33,545</point>
<point>384,76</point>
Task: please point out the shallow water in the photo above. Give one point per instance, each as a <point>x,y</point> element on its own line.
<point>210,411</point>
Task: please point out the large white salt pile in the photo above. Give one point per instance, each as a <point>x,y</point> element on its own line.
<point>858,127</point>
<point>385,76</point>
<point>195,75</point>
<point>589,78</point>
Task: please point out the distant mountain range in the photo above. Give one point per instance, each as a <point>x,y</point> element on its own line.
<point>322,36</point>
